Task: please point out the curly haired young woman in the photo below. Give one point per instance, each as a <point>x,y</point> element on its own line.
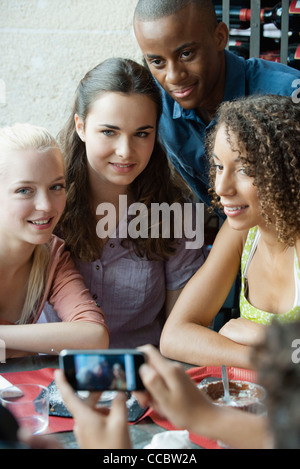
<point>255,173</point>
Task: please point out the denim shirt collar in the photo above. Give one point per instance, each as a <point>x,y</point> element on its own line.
<point>234,86</point>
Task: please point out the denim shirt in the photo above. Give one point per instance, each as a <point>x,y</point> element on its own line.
<point>183,133</point>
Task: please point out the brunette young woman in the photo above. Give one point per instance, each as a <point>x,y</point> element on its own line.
<point>117,174</point>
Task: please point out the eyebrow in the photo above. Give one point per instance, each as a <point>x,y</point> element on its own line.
<point>178,49</point>
<point>59,178</point>
<point>114,127</point>
<point>237,160</point>
<point>184,46</point>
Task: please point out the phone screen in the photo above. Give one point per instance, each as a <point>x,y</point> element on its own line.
<point>104,371</point>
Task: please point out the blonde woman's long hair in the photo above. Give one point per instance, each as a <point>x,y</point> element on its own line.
<point>21,137</point>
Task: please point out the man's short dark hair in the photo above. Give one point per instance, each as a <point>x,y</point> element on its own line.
<point>149,10</point>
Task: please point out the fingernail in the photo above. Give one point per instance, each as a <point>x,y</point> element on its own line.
<point>144,369</point>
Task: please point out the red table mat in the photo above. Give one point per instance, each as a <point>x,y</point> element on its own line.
<point>198,374</point>
<point>60,424</point>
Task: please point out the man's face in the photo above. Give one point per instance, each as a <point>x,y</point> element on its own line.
<point>184,53</point>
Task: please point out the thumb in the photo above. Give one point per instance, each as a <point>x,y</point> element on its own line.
<point>118,422</point>
<point>118,407</point>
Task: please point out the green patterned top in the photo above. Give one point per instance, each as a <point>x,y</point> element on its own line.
<point>246,309</point>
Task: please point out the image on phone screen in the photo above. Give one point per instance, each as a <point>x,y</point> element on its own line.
<point>106,372</point>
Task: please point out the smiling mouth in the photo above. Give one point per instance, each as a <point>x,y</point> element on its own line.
<point>234,209</point>
<point>122,168</point>
<point>40,222</point>
<point>183,92</point>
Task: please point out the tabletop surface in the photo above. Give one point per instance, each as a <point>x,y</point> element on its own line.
<point>141,433</point>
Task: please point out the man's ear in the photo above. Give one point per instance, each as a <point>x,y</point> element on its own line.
<point>79,127</point>
<point>221,35</point>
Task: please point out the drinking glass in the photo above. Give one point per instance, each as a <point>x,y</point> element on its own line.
<point>29,404</point>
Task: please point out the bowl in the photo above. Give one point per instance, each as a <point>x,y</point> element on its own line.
<point>244,394</point>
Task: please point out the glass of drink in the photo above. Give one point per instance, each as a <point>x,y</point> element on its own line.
<point>29,404</point>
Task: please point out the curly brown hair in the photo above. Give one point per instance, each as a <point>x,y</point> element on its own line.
<point>268,128</point>
<point>157,183</point>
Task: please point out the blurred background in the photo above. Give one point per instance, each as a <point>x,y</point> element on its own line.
<point>48,45</point>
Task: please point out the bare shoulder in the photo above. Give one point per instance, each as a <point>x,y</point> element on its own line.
<point>230,241</point>
<point>223,263</point>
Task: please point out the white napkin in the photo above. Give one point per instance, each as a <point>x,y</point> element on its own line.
<point>178,439</point>
<point>13,391</point>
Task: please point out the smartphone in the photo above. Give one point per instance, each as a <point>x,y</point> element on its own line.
<point>103,370</point>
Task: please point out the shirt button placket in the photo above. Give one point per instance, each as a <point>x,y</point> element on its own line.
<point>97,283</point>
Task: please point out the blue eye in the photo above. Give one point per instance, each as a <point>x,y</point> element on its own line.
<point>58,187</point>
<point>23,191</point>
<point>107,133</point>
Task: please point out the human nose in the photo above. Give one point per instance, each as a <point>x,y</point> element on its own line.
<point>224,185</point>
<point>175,72</point>
<point>124,147</point>
<point>43,202</point>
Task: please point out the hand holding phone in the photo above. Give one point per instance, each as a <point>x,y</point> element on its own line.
<point>95,427</point>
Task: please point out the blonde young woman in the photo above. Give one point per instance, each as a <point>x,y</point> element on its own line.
<point>34,266</point>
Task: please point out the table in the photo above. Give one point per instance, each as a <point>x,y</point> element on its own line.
<point>141,433</point>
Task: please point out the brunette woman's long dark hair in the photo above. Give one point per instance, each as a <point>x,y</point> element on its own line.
<point>157,183</point>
